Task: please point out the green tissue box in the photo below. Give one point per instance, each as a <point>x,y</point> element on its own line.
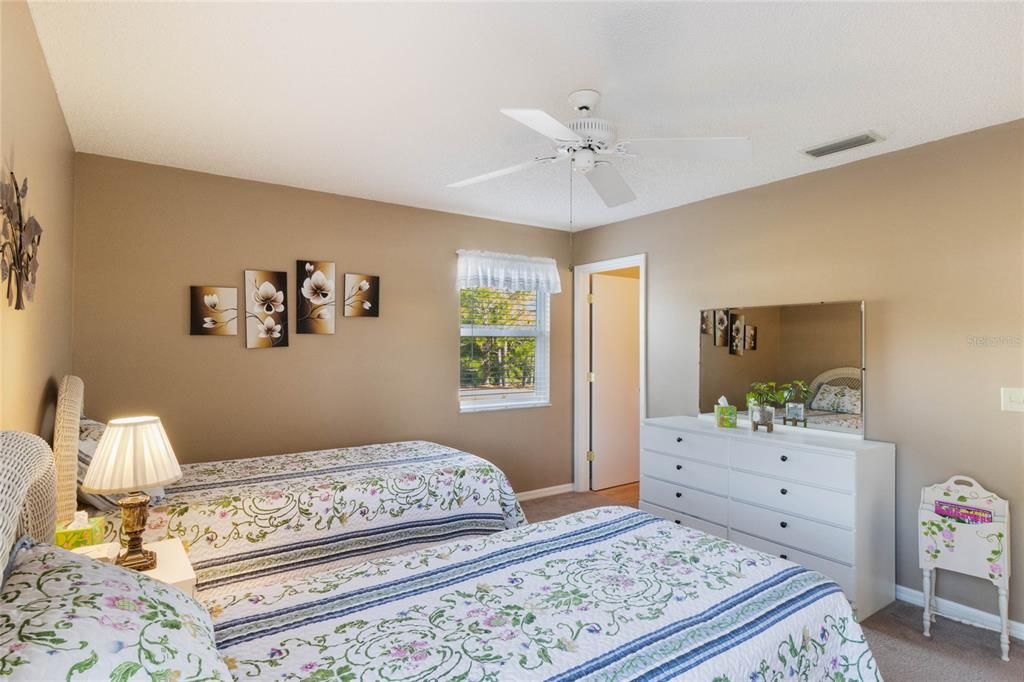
<point>725,416</point>
<point>80,537</point>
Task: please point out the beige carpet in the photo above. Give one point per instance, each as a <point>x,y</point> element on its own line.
<point>956,652</point>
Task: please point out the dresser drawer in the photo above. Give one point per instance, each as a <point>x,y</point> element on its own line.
<point>796,498</point>
<point>685,443</point>
<point>806,466</point>
<point>828,541</point>
<point>685,520</point>
<point>686,500</point>
<point>688,472</point>
<point>843,575</point>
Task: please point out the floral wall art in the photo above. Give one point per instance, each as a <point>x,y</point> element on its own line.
<point>266,315</point>
<point>362,295</point>
<point>315,300</point>
<point>19,243</point>
<point>213,311</point>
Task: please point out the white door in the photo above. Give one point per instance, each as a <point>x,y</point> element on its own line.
<point>615,391</point>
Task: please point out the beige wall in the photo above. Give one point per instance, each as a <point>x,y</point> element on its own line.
<point>817,338</point>
<point>145,233</point>
<point>932,238</point>
<point>35,343</point>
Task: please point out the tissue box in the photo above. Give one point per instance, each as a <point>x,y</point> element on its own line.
<point>725,416</point>
<point>80,537</point>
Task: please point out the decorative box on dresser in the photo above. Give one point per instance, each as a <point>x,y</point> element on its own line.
<point>823,500</point>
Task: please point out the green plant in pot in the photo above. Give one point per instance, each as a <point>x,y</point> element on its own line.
<point>762,398</point>
<point>797,393</point>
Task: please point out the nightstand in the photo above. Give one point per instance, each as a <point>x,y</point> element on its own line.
<point>172,563</point>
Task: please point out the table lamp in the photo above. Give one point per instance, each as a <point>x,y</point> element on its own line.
<point>133,454</point>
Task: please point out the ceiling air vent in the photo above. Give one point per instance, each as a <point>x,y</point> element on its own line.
<point>843,145</point>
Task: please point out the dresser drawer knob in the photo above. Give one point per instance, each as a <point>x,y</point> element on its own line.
<point>784,491</point>
<point>783,524</point>
<point>783,556</point>
<point>678,522</point>
<point>784,458</point>
<point>679,439</point>
<point>679,467</point>
<point>679,494</point>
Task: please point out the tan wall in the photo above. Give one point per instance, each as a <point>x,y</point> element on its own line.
<point>817,338</point>
<point>145,233</point>
<point>931,239</point>
<point>35,343</point>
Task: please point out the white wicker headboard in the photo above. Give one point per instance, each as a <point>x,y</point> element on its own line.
<point>840,376</point>
<point>27,487</point>
<point>65,445</point>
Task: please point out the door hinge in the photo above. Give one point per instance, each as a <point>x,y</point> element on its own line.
<point>590,299</point>
<point>590,455</point>
<point>590,377</point>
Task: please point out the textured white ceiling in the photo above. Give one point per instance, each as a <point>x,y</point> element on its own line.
<point>392,102</point>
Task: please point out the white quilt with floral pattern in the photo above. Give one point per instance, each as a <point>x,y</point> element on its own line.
<point>605,594</point>
<point>251,519</point>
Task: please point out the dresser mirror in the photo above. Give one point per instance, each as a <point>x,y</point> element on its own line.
<point>815,350</point>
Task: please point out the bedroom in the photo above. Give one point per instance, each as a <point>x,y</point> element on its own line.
<point>159,158</point>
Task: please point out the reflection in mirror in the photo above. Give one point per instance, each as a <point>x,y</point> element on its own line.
<point>819,344</point>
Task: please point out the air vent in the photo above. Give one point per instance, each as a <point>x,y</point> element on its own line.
<point>843,145</point>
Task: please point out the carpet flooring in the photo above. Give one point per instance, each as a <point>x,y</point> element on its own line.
<point>955,652</point>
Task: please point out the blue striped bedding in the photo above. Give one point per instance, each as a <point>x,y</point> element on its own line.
<point>605,594</point>
<point>250,520</point>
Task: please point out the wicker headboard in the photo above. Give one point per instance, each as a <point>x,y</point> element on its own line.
<point>840,376</point>
<point>65,445</point>
<point>27,485</point>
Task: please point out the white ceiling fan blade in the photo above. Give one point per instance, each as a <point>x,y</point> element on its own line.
<point>700,148</point>
<point>544,123</point>
<point>504,171</point>
<point>609,185</point>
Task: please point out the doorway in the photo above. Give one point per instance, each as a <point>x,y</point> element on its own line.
<point>610,374</point>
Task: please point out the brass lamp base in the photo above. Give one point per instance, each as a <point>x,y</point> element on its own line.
<point>134,512</point>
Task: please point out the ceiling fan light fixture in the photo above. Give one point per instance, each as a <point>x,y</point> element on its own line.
<point>583,160</point>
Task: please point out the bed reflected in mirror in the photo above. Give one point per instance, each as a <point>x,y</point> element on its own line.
<point>808,358</point>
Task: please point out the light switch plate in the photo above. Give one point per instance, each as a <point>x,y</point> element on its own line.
<point>1012,399</point>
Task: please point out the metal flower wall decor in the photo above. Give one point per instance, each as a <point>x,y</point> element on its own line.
<point>19,244</point>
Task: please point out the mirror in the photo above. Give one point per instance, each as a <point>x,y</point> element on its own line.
<point>818,344</point>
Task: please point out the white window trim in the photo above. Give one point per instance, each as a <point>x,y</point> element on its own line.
<point>542,361</point>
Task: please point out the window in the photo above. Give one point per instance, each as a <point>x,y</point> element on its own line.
<point>503,349</point>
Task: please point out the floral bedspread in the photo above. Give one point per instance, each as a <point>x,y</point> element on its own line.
<point>605,594</point>
<point>251,519</point>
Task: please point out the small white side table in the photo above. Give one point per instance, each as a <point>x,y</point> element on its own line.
<point>172,563</point>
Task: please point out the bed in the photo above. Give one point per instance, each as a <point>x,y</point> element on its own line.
<point>251,519</point>
<point>611,593</point>
<point>843,415</point>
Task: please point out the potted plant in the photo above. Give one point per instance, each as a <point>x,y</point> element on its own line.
<point>762,399</point>
<point>796,392</point>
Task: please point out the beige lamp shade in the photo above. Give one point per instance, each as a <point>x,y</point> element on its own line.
<point>133,454</point>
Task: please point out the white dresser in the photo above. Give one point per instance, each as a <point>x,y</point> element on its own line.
<point>826,501</point>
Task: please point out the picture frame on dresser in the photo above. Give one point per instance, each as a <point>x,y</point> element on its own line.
<point>823,500</point>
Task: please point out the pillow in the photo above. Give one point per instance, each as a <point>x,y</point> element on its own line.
<point>837,399</point>
<point>89,432</point>
<point>67,616</point>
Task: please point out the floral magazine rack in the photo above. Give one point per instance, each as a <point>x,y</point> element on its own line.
<point>964,528</point>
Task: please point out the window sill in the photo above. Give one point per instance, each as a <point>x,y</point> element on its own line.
<point>497,407</point>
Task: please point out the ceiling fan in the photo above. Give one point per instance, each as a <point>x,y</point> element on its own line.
<point>589,143</point>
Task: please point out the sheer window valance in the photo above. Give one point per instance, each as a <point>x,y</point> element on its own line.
<point>508,272</point>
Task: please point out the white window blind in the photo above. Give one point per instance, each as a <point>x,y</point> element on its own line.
<point>504,345</point>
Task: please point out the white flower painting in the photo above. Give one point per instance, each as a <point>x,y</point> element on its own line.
<point>362,295</point>
<point>266,317</point>
<point>213,311</point>
<point>315,301</point>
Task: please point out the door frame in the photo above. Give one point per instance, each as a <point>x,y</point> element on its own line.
<point>581,356</point>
